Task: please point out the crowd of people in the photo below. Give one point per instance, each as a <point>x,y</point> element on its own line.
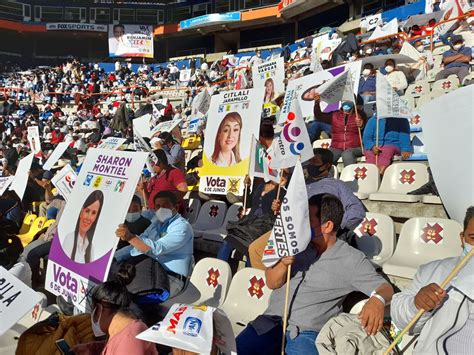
<point>156,235</point>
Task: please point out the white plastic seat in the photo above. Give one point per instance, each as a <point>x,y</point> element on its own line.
<point>423,240</point>
<point>192,209</point>
<point>211,215</point>
<point>208,285</point>
<point>362,178</point>
<point>322,143</point>
<point>446,85</point>
<point>220,233</point>
<point>440,50</point>
<point>431,199</point>
<point>334,172</point>
<point>398,180</point>
<point>418,88</point>
<point>409,101</point>
<point>247,298</point>
<point>376,237</point>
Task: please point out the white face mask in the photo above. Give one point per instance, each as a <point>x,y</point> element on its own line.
<point>420,48</point>
<point>368,51</point>
<point>352,59</point>
<point>457,46</point>
<point>96,329</point>
<point>467,248</point>
<point>389,69</point>
<point>366,72</point>
<point>154,140</point>
<point>132,217</point>
<point>163,214</point>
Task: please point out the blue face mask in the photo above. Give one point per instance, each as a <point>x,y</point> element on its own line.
<point>466,249</point>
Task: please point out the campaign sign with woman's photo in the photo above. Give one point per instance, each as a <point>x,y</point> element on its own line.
<point>304,89</point>
<point>234,116</point>
<point>269,77</point>
<point>82,251</point>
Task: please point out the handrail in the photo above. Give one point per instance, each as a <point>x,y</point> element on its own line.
<point>469,14</point>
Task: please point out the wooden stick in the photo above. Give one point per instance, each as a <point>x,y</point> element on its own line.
<point>285,310</point>
<point>377,140</point>
<point>279,185</point>
<point>245,198</point>
<point>443,285</point>
<point>145,202</point>
<point>358,128</point>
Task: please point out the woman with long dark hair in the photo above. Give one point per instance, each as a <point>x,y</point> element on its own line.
<point>78,244</point>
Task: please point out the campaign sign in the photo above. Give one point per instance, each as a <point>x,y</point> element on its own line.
<point>166,126</point>
<point>16,300</point>
<point>130,41</point>
<point>4,183</point>
<point>112,143</point>
<point>64,181</point>
<point>303,89</point>
<point>82,252</point>
<point>21,175</point>
<point>269,76</point>
<point>56,155</point>
<point>34,140</point>
<point>234,116</point>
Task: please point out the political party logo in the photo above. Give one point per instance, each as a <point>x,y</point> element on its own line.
<point>270,248</point>
<point>119,186</point>
<point>291,133</point>
<point>108,183</point>
<point>407,176</point>
<point>432,233</point>
<point>360,173</point>
<point>234,185</point>
<point>175,317</point>
<point>97,182</point>
<point>192,326</point>
<point>70,181</point>
<point>220,109</point>
<point>367,227</point>
<point>256,287</point>
<point>88,180</point>
<point>213,278</point>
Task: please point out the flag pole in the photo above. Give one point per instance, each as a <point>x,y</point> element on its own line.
<point>377,140</point>
<point>285,310</point>
<point>354,95</point>
<point>443,285</point>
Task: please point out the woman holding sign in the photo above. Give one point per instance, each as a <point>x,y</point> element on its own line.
<point>227,143</point>
<point>78,244</point>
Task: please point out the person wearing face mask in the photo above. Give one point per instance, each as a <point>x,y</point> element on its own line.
<point>419,70</point>
<point>395,77</point>
<point>367,89</point>
<point>115,316</point>
<point>134,220</point>
<point>256,59</point>
<point>321,278</point>
<point>174,151</point>
<point>168,240</point>
<point>167,178</point>
<point>318,181</point>
<point>448,321</point>
<point>456,60</point>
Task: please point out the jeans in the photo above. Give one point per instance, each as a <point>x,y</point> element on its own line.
<point>51,213</point>
<point>315,128</point>
<point>368,98</point>
<point>224,251</point>
<point>250,343</point>
<point>33,254</point>
<point>349,156</point>
<point>461,72</point>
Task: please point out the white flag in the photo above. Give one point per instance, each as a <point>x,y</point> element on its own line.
<point>292,143</point>
<point>389,103</point>
<point>315,65</point>
<point>260,163</point>
<point>337,89</point>
<point>388,29</point>
<point>291,232</point>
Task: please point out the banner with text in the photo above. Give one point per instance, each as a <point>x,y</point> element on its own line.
<point>234,116</point>
<point>131,41</point>
<point>82,252</point>
<point>269,77</point>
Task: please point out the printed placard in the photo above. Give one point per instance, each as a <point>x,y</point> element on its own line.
<point>17,299</point>
<point>56,155</point>
<point>4,183</point>
<point>112,143</point>
<point>269,76</point>
<point>34,139</point>
<point>234,116</point>
<point>82,252</point>
<point>64,181</point>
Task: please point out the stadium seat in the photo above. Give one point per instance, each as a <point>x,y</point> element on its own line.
<point>446,85</point>
<point>409,101</point>
<point>333,171</point>
<point>211,215</point>
<point>27,221</point>
<point>398,180</point>
<point>431,200</point>
<point>468,80</point>
<point>358,307</point>
<point>416,122</point>
<point>208,285</point>
<point>220,233</point>
<point>362,178</point>
<point>418,147</point>
<point>191,142</point>
<point>322,143</point>
<point>423,240</point>
<point>48,223</point>
<point>193,205</point>
<point>376,237</point>
<point>418,88</point>
<point>36,226</point>
<point>440,50</point>
<point>247,298</point>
